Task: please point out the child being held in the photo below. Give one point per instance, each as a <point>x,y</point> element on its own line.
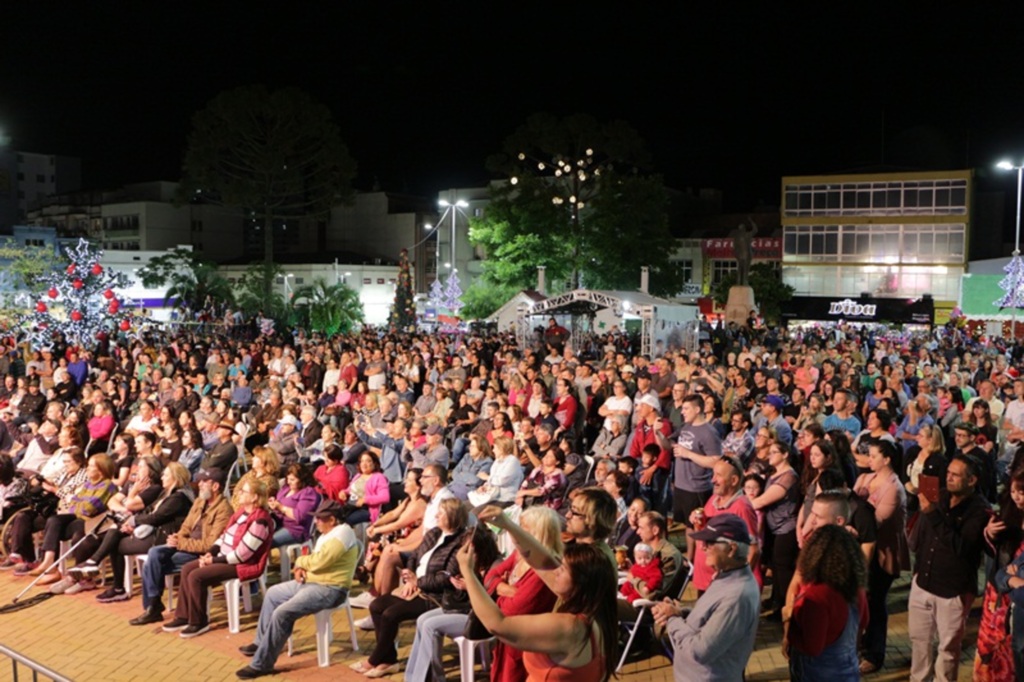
<point>645,575</point>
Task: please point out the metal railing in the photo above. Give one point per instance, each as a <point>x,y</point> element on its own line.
<point>37,669</point>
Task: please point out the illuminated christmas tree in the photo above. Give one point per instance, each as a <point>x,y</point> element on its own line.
<point>78,301</point>
<point>453,293</point>
<point>403,310</point>
<point>1012,284</point>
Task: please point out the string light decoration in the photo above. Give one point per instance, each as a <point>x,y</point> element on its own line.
<point>403,310</point>
<point>1012,284</point>
<point>78,301</point>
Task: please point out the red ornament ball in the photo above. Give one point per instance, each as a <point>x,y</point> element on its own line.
<point>71,269</point>
<point>113,307</point>
<point>77,284</point>
<point>40,307</point>
<point>108,294</point>
<point>76,316</point>
<point>125,325</point>
<point>52,293</point>
<point>97,269</point>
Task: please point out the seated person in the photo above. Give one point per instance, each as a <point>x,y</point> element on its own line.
<point>644,575</point>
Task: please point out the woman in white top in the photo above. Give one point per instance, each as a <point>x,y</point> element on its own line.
<point>502,483</point>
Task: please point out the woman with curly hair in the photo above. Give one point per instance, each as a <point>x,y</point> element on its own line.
<point>830,609</point>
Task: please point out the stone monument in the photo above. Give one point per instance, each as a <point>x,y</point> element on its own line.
<point>740,304</point>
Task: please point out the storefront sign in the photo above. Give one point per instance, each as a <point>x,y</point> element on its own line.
<point>850,308</point>
<point>764,248</point>
<point>864,309</point>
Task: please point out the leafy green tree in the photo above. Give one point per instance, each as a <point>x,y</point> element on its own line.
<point>331,308</point>
<point>770,292</point>
<point>26,264</point>
<point>251,296</point>
<point>578,201</point>
<point>277,154</point>
<point>482,299</point>
<point>192,283</point>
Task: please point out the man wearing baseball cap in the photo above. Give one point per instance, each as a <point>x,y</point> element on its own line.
<point>771,416</point>
<point>322,580</point>
<point>715,640</point>
<point>205,522</point>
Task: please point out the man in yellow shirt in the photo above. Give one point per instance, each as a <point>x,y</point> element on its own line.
<point>322,580</point>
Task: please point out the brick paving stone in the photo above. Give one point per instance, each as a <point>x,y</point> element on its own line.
<point>88,641</point>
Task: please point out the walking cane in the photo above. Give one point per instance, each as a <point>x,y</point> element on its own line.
<point>92,526</point>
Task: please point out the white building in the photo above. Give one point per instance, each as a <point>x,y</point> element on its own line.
<point>27,178</point>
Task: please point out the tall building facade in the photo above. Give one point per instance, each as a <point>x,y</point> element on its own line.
<point>883,235</point>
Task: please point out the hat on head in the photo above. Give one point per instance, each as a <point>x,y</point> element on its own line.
<point>327,509</point>
<point>724,527</point>
<point>212,474</point>
<point>288,420</point>
<point>627,369</point>
<point>434,429</point>
<point>228,424</point>
<point>650,401</point>
<point>775,401</point>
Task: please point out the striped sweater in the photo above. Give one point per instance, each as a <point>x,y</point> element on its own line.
<point>246,542</point>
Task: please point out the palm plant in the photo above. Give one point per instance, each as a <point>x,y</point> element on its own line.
<point>194,289</point>
<point>332,308</point>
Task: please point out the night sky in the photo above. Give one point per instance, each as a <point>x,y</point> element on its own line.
<point>424,92</point>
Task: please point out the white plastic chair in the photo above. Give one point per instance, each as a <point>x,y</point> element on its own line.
<point>286,557</point>
<point>467,655</point>
<point>140,561</point>
<point>325,626</point>
<point>232,589</point>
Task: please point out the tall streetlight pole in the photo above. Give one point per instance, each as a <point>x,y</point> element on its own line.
<point>287,289</point>
<point>1015,268</point>
<point>453,208</point>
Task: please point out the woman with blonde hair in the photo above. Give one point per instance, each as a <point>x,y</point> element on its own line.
<point>266,467</point>
<point>240,552</point>
<point>518,591</point>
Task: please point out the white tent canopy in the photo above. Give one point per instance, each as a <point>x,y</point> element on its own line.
<point>663,323</point>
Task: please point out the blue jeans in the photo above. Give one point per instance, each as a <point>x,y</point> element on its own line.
<point>284,604</point>
<point>161,561</point>
<point>283,536</point>
<point>431,629</point>
<point>459,449</point>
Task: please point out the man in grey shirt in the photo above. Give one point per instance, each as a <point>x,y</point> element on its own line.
<point>714,641</point>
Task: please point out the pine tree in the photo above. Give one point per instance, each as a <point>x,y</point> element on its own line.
<point>403,310</point>
<point>78,301</point>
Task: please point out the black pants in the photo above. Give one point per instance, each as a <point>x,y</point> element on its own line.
<point>388,612</point>
<point>61,527</point>
<point>22,528</point>
<point>113,544</point>
<point>873,641</point>
<point>784,553</point>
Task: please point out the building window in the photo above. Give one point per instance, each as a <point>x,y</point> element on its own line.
<point>40,177</point>
<point>21,176</point>
<point>299,280</point>
<point>925,243</point>
<point>900,197</point>
<point>685,270</point>
<point>720,269</point>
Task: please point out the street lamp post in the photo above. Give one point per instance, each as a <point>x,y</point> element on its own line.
<point>287,289</point>
<point>1015,268</point>
<point>453,208</point>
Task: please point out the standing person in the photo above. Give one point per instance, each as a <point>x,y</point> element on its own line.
<point>947,542</point>
<point>322,580</point>
<point>715,640</point>
<point>697,449</point>
<point>578,640</point>
<point>727,498</point>
<point>883,491</point>
<point>830,609</point>
<point>1000,656</point>
<point>779,502</point>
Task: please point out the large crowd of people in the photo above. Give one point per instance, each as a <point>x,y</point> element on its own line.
<point>538,495</point>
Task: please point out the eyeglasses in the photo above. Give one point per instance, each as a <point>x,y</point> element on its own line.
<point>574,512</point>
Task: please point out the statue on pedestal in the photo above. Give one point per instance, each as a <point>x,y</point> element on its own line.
<point>743,247</point>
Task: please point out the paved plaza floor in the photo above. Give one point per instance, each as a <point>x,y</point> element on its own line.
<point>84,640</point>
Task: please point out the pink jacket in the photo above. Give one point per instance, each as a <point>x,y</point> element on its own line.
<point>375,494</point>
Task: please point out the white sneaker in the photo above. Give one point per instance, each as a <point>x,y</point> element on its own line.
<point>81,586</point>
<point>63,585</point>
<point>362,601</point>
<point>365,623</point>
